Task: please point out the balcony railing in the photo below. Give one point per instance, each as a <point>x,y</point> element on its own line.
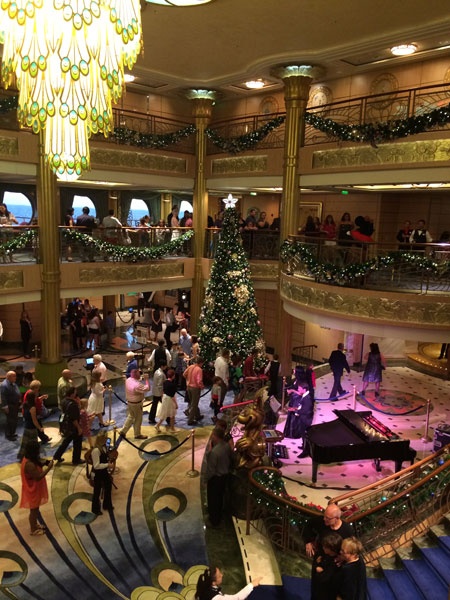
<point>422,268</point>
<point>261,244</point>
<point>386,515</point>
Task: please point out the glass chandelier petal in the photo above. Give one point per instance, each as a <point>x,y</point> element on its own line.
<point>67,58</point>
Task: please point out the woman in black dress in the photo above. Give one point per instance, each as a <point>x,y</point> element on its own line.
<point>156,325</point>
<point>25,333</point>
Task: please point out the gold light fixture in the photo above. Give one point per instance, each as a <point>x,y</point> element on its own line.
<point>67,58</point>
<point>255,84</point>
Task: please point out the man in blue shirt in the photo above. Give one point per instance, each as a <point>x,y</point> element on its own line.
<point>185,342</point>
<point>11,398</point>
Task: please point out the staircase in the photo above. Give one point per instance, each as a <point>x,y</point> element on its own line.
<point>421,572</point>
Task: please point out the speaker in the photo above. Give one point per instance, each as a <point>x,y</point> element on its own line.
<point>441,436</point>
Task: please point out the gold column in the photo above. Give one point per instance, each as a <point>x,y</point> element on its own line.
<point>203,102</point>
<point>48,369</point>
<point>297,82</point>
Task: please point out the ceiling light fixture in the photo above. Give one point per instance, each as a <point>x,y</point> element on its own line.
<point>255,84</point>
<point>404,49</point>
<point>68,59</point>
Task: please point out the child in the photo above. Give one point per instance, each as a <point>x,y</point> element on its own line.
<point>236,374</point>
<point>168,407</point>
<point>352,584</point>
<point>325,568</point>
<point>216,390</point>
<point>85,421</point>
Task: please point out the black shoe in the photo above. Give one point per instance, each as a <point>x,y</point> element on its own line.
<point>186,412</point>
<point>79,462</point>
<point>343,393</point>
<point>98,513</point>
<point>59,460</point>
<point>152,422</point>
<point>200,417</point>
<point>377,394</point>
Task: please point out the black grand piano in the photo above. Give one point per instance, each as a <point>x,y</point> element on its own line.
<point>355,436</point>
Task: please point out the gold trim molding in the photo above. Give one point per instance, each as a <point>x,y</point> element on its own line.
<point>264,270</point>
<point>9,146</point>
<point>241,164</point>
<point>427,151</point>
<point>113,274</point>
<point>138,160</point>
<point>413,310</point>
<point>11,280</point>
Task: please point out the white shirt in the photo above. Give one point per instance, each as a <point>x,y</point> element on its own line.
<point>222,369</point>
<point>101,368</point>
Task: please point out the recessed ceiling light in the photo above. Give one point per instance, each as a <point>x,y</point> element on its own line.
<point>128,78</point>
<point>255,84</point>
<point>404,49</point>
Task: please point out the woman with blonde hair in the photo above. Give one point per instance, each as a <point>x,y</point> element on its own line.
<point>352,583</point>
<point>96,403</point>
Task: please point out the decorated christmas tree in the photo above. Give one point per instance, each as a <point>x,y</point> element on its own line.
<point>229,315</point>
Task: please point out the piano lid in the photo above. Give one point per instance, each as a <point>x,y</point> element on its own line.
<point>366,425</point>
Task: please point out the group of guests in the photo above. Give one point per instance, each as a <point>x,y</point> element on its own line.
<point>344,232</point>
<point>87,325</point>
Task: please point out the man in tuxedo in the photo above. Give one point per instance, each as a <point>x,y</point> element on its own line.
<point>338,362</point>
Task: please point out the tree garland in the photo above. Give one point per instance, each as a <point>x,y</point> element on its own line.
<point>124,135</point>
<point>119,253</point>
<point>244,142</point>
<point>381,132</point>
<point>342,274</point>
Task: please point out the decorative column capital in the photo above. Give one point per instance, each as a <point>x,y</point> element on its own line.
<point>203,102</point>
<point>297,79</point>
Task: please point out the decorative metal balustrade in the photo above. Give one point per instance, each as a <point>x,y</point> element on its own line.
<point>386,515</point>
<point>424,268</point>
<point>261,244</point>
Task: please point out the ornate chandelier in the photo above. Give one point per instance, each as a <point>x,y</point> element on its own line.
<point>179,2</point>
<point>67,58</point>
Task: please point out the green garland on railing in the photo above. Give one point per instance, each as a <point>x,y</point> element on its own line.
<point>341,274</point>
<point>380,132</point>
<point>18,242</point>
<point>127,253</point>
<point>124,135</point>
<point>246,141</point>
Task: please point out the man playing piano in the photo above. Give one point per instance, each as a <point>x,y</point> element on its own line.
<point>301,408</point>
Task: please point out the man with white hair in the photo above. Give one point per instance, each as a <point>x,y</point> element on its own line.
<point>132,363</point>
<point>99,367</point>
<point>10,398</point>
<point>316,529</point>
<point>64,383</point>
<point>185,342</point>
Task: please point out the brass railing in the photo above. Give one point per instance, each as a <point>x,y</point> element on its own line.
<point>386,515</point>
<point>261,244</point>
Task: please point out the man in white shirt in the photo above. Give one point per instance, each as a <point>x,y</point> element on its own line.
<point>111,228</point>
<point>222,370</point>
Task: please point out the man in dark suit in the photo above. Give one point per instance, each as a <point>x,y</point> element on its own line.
<point>338,363</point>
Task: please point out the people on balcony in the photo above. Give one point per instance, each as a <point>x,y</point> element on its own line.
<point>276,224</point>
<point>175,223</point>
<point>403,235</point>
<point>345,227</point>
<point>112,228</point>
<point>420,235</point>
<point>262,222</point>
<point>6,217</point>
<point>250,221</point>
<point>329,228</point>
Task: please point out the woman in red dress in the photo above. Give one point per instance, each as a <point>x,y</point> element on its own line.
<point>34,486</point>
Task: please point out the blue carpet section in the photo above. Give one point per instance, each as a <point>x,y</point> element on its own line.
<point>444,541</point>
<point>425,579</point>
<point>439,561</point>
<point>296,588</point>
<point>378,589</point>
<point>401,584</point>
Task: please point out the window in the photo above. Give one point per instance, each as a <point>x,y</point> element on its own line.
<point>19,205</point>
<point>79,202</point>
<point>138,209</point>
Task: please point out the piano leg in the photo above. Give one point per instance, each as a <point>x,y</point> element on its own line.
<point>377,463</point>
<point>315,468</point>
